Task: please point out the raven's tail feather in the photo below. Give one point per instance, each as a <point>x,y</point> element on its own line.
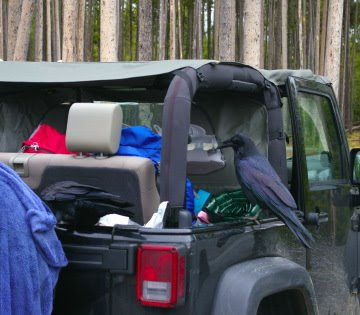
<point>298,229</point>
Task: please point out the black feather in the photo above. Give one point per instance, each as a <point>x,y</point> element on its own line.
<point>263,186</point>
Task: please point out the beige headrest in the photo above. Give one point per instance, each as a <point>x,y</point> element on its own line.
<point>94,127</point>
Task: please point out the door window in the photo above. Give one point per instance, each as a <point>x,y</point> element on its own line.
<point>322,145</point>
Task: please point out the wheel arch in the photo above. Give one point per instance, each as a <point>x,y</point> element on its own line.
<point>242,287</point>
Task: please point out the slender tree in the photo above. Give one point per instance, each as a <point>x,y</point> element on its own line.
<point>130,28</point>
<point>317,36</point>
<point>217,13</point>
<point>120,28</point>
<point>300,30</point>
<point>23,36</point>
<point>108,31</point>
<point>284,33</point>
<point>14,14</point>
<point>69,30</point>
<point>344,102</point>
<point>81,30</point>
<point>145,28</point>
<point>89,18</point>
<point>172,30</point>
<point>208,28</point>
<point>162,28</point>
<point>57,48</point>
<point>48,31</point>
<point>180,29</point>
<point>252,32</point>
<point>2,55</point>
<point>333,43</point>
<point>323,36</point>
<point>39,30</point>
<point>227,31</point>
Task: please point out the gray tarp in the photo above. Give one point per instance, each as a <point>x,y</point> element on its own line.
<point>59,72</point>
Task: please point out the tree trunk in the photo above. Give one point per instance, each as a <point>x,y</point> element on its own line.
<point>227,31</point>
<point>162,29</point>
<point>130,30</point>
<point>48,30</point>
<point>81,30</point>
<point>108,31</point>
<point>317,36</point>
<point>200,32</point>
<point>172,30</point>
<point>344,103</point>
<point>23,36</point>
<point>352,86</point>
<point>284,34</point>
<point>2,57</point>
<point>5,26</point>
<point>300,31</point>
<point>120,32</point>
<point>69,30</point>
<point>252,32</point>
<point>304,33</point>
<point>278,34</point>
<point>217,13</point>
<point>208,27</point>
<point>190,23</point>
<point>89,17</point>
<point>145,27</point>
<point>57,46</point>
<point>180,30</point>
<point>14,14</point>
<point>324,32</point>
<point>333,43</point>
<point>271,35</point>
<point>196,30</point>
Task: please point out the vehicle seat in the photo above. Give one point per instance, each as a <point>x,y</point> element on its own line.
<point>93,128</point>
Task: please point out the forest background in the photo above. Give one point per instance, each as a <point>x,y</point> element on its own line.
<point>321,35</point>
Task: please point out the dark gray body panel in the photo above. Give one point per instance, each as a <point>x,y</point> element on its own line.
<point>243,286</point>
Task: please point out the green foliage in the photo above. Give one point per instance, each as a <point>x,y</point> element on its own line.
<point>356,105</point>
<point>96,31</point>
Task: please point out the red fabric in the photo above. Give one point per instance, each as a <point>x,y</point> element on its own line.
<point>47,139</point>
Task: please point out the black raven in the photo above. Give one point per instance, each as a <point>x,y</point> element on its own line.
<point>263,186</point>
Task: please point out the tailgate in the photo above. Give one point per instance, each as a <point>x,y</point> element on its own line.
<point>100,277</point>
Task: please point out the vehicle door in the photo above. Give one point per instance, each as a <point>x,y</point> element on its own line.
<point>323,190</point>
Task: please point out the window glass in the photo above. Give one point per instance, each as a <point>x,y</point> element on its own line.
<point>289,136</point>
<point>142,114</point>
<point>322,146</point>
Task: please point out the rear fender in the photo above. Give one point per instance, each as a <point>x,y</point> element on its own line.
<point>242,287</point>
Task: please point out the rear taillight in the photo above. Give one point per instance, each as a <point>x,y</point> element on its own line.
<point>160,275</point>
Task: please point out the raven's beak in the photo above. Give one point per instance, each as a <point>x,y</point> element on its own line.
<point>226,144</point>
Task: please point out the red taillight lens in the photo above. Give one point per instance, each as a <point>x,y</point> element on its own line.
<point>160,275</point>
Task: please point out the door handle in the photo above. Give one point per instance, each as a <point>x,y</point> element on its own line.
<point>316,218</point>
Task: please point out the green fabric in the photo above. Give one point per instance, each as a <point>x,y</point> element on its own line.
<point>229,206</point>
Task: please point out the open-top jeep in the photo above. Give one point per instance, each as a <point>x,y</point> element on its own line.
<point>236,266</point>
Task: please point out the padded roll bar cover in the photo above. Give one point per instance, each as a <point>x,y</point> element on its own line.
<point>94,127</point>
<point>242,286</point>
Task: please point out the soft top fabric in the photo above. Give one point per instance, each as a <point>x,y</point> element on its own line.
<point>31,254</point>
<point>57,72</point>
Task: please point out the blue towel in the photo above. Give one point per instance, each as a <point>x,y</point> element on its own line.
<point>31,255</point>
